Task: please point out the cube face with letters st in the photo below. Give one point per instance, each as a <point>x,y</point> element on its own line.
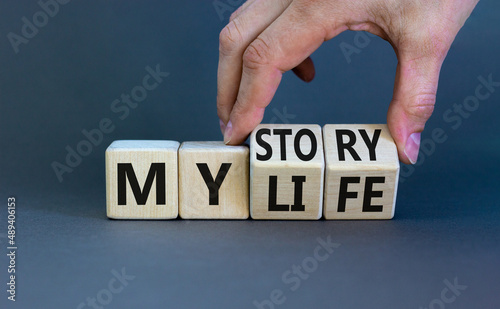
<point>142,179</point>
<point>362,171</point>
<point>286,172</point>
<point>213,181</point>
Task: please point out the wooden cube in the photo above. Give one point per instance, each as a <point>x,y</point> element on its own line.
<point>362,171</point>
<point>286,172</point>
<point>141,180</point>
<point>213,181</point>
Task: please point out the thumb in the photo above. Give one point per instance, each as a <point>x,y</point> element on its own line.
<point>413,102</point>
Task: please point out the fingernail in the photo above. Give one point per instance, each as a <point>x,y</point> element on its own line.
<point>222,126</point>
<point>412,146</point>
<point>228,132</point>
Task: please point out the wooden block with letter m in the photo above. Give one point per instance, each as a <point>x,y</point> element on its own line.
<point>142,180</point>
<point>362,170</point>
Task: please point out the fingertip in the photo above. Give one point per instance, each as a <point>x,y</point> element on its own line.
<point>404,159</point>
<point>242,123</point>
<point>235,141</point>
<point>306,76</point>
<point>305,70</point>
<point>222,126</point>
<point>309,77</point>
<point>405,136</point>
<point>397,123</point>
<point>234,136</point>
<point>413,102</point>
<point>228,133</point>
<point>412,147</point>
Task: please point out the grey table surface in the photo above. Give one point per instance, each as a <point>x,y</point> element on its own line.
<point>64,78</point>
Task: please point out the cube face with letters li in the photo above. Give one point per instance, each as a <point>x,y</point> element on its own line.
<point>362,170</point>
<point>141,179</point>
<point>286,172</point>
<point>213,181</point>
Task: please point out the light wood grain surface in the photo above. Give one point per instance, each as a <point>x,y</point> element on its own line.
<point>194,193</point>
<point>141,154</point>
<point>262,171</point>
<point>384,164</point>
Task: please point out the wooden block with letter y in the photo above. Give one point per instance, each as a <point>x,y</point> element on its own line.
<point>362,170</point>
<point>141,180</point>
<point>213,181</point>
<point>286,172</point>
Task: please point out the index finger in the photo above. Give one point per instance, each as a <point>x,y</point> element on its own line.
<point>286,43</point>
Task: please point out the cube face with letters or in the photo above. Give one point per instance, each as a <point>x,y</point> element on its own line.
<point>213,181</point>
<point>286,172</point>
<point>362,171</point>
<point>142,179</point>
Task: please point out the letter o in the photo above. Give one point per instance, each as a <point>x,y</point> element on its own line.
<point>81,150</point>
<point>109,297</point>
<point>471,107</point>
<point>310,264</point>
<point>139,94</point>
<point>43,16</point>
<point>314,145</point>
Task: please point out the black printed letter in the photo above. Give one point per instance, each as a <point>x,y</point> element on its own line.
<point>213,186</point>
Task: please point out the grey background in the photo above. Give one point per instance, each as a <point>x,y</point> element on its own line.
<point>64,80</point>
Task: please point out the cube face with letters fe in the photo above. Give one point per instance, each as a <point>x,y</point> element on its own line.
<point>362,170</point>
<point>141,179</point>
<point>213,181</point>
<point>286,172</point>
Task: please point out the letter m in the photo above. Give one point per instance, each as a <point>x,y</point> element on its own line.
<point>125,170</point>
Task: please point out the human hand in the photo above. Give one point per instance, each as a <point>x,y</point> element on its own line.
<point>265,38</point>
